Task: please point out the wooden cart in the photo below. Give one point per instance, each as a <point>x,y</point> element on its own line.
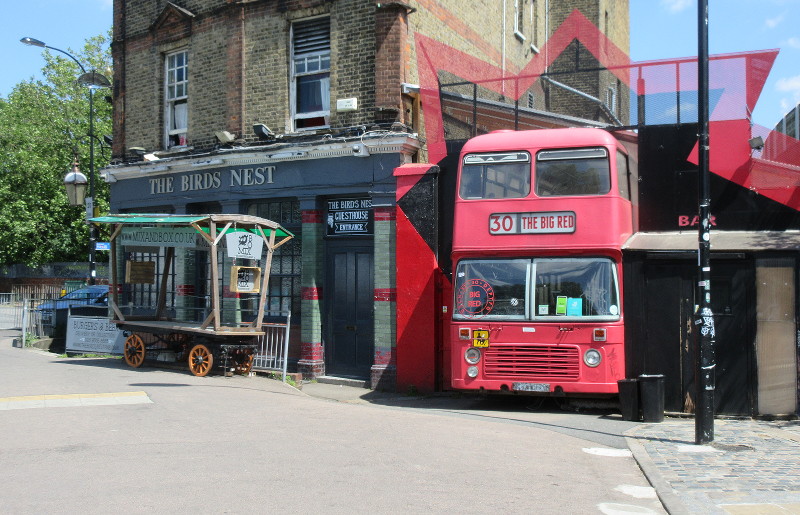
<point>191,287</point>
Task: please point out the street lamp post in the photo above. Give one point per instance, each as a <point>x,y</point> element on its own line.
<point>92,80</point>
<point>705,363</point>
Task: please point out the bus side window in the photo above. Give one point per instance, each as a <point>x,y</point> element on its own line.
<point>623,175</point>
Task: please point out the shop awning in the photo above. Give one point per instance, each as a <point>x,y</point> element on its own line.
<point>720,241</point>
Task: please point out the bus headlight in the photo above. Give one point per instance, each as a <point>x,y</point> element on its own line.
<point>592,358</point>
<point>472,371</point>
<point>472,355</point>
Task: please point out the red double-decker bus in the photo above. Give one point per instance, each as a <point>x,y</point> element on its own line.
<point>540,220</point>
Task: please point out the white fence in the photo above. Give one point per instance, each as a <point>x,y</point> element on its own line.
<point>16,313</point>
<point>273,347</point>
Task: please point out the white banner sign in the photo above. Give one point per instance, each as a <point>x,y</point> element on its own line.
<point>94,334</point>
<point>244,245</point>
<point>158,237</point>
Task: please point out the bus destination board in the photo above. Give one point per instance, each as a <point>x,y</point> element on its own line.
<point>532,223</point>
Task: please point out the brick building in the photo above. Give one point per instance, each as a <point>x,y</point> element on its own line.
<point>300,111</point>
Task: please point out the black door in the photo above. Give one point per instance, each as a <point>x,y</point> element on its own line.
<point>668,304</point>
<point>671,335</point>
<point>349,295</point>
<point>734,305</point>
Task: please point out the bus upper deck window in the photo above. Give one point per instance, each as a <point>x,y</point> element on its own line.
<point>506,175</point>
<point>583,171</point>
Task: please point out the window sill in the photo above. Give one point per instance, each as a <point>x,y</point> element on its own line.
<point>176,150</point>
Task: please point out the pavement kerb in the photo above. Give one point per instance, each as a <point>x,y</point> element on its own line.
<point>781,433</point>
<point>666,494</point>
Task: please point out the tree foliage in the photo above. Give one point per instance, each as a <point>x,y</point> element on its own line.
<point>44,126</point>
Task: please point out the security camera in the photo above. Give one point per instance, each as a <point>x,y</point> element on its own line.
<point>262,131</point>
<point>224,137</point>
<point>360,150</point>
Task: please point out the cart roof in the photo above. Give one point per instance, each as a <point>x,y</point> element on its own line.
<point>241,221</point>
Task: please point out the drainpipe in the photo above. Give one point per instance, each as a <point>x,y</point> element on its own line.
<point>588,97</point>
<point>503,51</point>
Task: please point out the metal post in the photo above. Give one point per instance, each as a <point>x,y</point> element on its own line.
<point>90,200</point>
<point>25,320</point>
<point>704,318</point>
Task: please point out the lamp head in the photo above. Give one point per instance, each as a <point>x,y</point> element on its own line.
<point>32,42</point>
<point>756,143</point>
<point>75,184</point>
<point>94,79</point>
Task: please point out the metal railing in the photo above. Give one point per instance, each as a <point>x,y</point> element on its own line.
<point>23,315</point>
<point>273,347</point>
<point>10,311</point>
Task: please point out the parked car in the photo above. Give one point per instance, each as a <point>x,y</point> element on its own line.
<point>54,311</point>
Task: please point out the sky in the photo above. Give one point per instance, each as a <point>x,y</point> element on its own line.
<point>660,29</point>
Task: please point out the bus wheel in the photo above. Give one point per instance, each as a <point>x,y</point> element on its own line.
<point>200,360</point>
<point>134,351</point>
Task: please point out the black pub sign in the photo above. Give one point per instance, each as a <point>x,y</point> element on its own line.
<point>349,217</point>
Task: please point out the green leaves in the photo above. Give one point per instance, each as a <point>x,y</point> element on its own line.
<point>43,126</point>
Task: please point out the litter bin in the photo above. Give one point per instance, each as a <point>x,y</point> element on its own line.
<point>651,397</point>
<point>629,399</point>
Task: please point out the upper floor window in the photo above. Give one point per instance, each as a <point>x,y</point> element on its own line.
<point>534,27</point>
<point>611,99</point>
<point>506,175</point>
<point>176,89</point>
<point>580,171</point>
<point>519,19</point>
<point>310,81</point>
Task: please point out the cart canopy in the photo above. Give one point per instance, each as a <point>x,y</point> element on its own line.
<point>242,222</point>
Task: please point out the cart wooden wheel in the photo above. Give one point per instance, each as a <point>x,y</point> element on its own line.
<point>245,365</point>
<point>200,360</point>
<point>134,351</point>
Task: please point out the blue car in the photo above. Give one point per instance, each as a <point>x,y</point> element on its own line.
<point>96,295</point>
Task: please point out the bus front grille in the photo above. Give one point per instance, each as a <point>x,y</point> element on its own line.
<point>531,362</point>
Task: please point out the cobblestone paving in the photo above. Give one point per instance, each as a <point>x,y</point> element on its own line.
<point>748,463</point>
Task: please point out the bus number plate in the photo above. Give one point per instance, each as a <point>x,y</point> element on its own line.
<point>480,338</point>
<point>531,387</point>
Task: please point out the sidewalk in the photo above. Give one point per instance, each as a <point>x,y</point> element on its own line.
<point>752,467</point>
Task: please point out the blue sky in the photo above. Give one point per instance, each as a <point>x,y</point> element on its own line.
<point>64,24</point>
<point>660,29</point>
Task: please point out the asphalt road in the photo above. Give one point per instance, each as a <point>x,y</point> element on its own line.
<point>165,441</point>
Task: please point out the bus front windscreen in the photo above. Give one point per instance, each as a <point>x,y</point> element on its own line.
<point>537,289</point>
